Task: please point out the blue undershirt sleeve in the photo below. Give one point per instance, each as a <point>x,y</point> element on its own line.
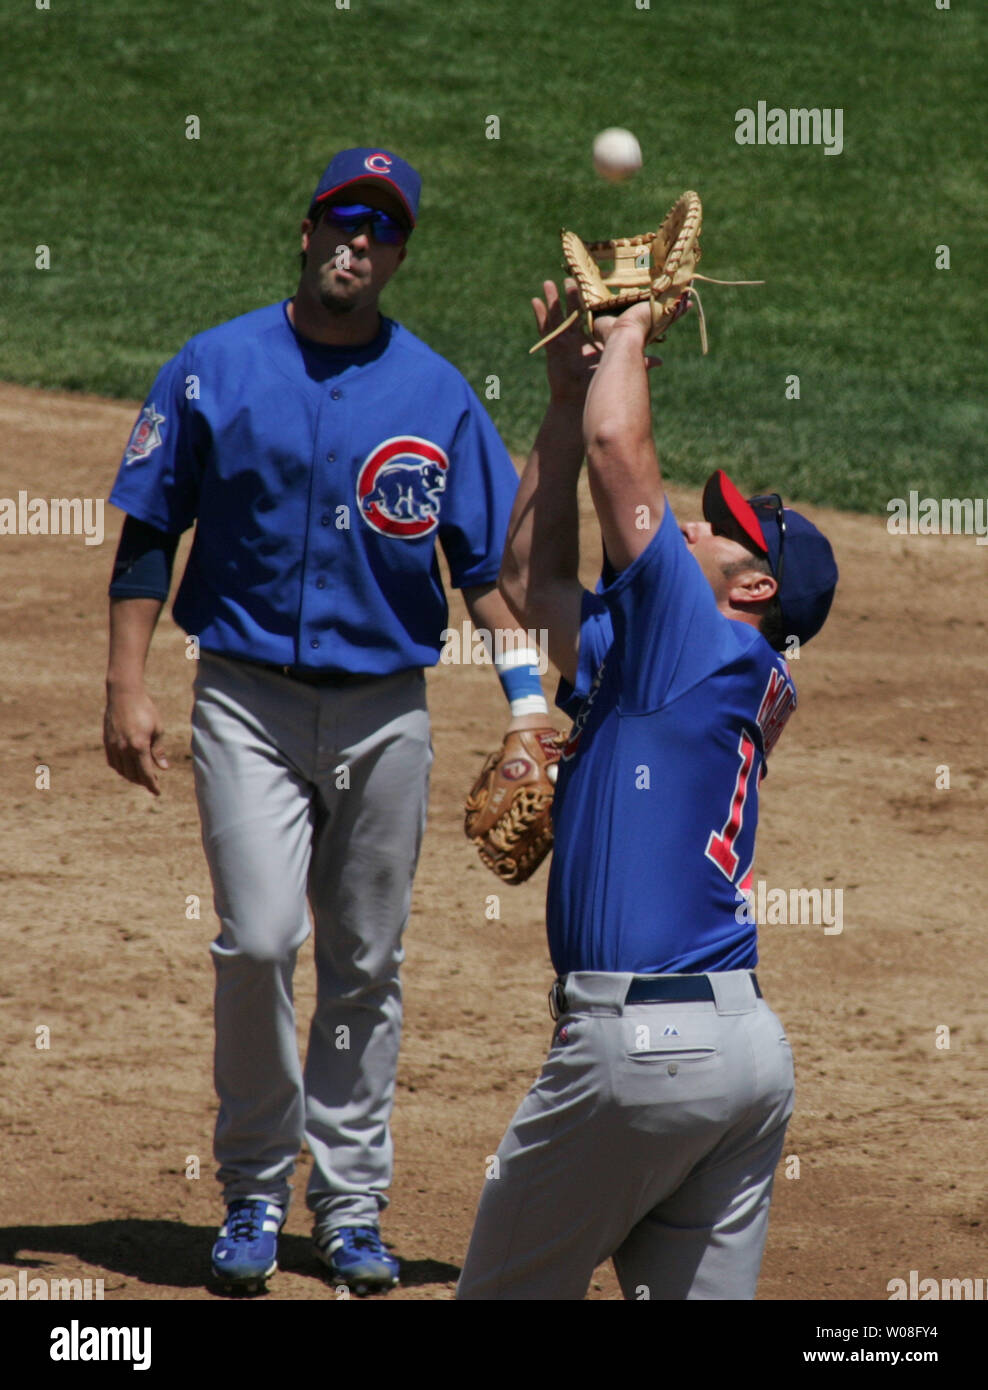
<point>144,561</point>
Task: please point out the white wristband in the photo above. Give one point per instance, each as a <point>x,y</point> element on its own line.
<point>528,704</point>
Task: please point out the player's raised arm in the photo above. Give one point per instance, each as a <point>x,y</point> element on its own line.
<point>622,464</point>
<point>539,571</point>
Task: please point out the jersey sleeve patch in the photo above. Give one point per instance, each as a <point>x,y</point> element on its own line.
<point>146,436</point>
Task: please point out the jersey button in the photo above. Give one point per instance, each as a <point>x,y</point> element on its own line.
<point>314,643</point>
<point>325,518</point>
<point>336,393</point>
<point>330,458</point>
<point>320,583</point>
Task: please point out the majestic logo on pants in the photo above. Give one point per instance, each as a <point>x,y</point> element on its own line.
<point>399,486</point>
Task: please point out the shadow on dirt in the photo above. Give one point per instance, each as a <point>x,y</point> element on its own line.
<point>167,1252</point>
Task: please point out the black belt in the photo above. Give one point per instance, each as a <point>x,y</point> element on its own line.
<point>312,675</point>
<point>674,989</point>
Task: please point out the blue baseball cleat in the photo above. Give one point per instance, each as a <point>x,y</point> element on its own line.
<point>246,1251</point>
<point>355,1256</point>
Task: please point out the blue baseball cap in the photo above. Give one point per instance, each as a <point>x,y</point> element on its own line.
<point>371,165</point>
<point>799,555</point>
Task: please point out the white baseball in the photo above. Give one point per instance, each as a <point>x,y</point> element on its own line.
<point>616,154</point>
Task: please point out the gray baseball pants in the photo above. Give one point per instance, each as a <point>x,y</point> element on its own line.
<point>311,793</point>
<point>651,1137</point>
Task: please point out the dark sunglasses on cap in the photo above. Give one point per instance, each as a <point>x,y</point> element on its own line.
<point>762,503</point>
<point>349,218</point>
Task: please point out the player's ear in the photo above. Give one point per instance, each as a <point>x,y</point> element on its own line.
<point>752,586</point>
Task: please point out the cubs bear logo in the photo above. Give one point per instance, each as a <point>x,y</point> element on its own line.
<point>399,486</point>
<point>145,437</point>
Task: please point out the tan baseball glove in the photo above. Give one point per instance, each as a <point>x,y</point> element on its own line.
<point>509,807</point>
<point>659,267</point>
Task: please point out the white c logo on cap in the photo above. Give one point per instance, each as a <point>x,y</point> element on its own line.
<point>378,163</point>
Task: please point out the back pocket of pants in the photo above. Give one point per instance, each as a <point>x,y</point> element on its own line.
<point>667,1089</point>
<point>683,1053</point>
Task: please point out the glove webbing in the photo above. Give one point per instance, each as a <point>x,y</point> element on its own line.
<point>693,294</point>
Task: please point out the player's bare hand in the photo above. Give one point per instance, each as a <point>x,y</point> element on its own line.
<point>132,734</point>
<point>636,319</point>
<point>570,358</point>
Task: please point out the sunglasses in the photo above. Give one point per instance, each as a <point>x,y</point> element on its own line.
<point>772,499</point>
<point>350,217</point>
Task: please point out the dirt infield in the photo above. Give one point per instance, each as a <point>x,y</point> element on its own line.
<point>97,1130</point>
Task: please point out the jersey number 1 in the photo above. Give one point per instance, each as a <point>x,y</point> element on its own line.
<point>720,847</point>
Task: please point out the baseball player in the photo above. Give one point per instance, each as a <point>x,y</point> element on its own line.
<point>653,1132</point>
<point>321,449</point>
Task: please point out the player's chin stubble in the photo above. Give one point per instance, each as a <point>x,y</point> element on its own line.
<point>335,303</point>
<point>334,298</point>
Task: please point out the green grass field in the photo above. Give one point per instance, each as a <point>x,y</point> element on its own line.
<point>154,236</point>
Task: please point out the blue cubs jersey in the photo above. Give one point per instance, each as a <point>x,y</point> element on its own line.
<point>319,479</point>
<point>676,708</point>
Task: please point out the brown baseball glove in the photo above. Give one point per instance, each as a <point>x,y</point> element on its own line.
<point>509,807</point>
<point>659,267</point>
